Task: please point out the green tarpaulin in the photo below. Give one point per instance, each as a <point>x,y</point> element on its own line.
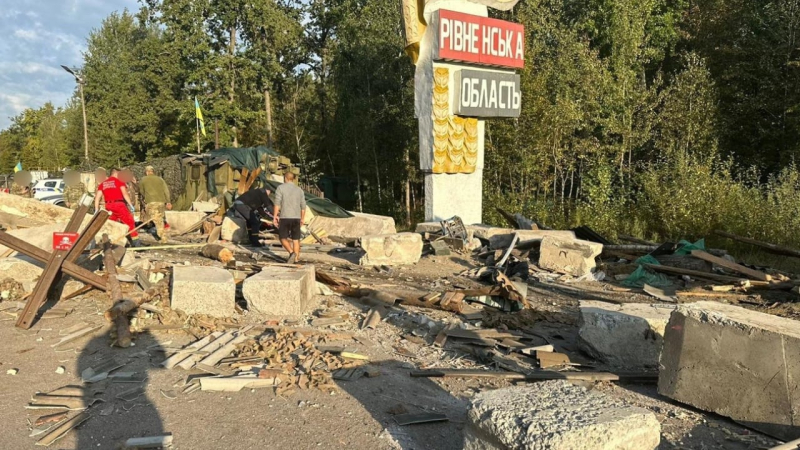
<point>640,276</point>
<point>250,158</point>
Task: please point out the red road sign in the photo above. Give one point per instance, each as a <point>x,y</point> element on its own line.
<point>478,40</point>
<point>64,241</point>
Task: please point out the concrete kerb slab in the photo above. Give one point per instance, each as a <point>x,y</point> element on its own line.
<point>628,336</point>
<point>735,362</point>
<point>203,290</point>
<point>280,290</point>
<point>556,415</point>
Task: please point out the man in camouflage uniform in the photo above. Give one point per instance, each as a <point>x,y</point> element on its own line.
<point>156,199</point>
<point>74,190</point>
<point>22,184</point>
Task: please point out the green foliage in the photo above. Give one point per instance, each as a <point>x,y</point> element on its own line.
<point>659,118</point>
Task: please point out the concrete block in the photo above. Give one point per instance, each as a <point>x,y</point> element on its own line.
<point>20,268</point>
<point>735,362</point>
<point>486,232</point>
<point>391,249</point>
<point>180,221</point>
<point>556,415</point>
<point>203,290</point>
<point>234,230</point>
<point>428,227</point>
<point>280,290</point>
<point>569,256</point>
<point>628,336</point>
<point>354,227</point>
<point>503,240</point>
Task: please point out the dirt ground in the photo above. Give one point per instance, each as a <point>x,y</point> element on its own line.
<point>357,415</point>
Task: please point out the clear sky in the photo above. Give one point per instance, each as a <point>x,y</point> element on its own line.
<point>37,37</point>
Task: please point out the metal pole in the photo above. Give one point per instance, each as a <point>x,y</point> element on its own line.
<point>197,124</point>
<point>85,126</point>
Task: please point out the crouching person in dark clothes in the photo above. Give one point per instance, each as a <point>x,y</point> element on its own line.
<point>290,215</point>
<point>247,206</point>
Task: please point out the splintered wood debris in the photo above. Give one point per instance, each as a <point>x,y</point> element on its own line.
<point>283,358</point>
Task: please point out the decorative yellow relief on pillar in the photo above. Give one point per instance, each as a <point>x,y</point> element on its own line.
<point>413,26</point>
<point>455,139</point>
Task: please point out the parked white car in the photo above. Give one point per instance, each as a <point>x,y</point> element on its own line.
<point>48,187</point>
<point>57,200</point>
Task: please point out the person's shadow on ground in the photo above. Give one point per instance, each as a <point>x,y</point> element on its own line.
<point>126,411</point>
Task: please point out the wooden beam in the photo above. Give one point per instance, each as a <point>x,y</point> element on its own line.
<point>738,268</point>
<point>537,375</point>
<point>252,178</point>
<point>242,180</point>
<point>115,291</point>
<point>70,268</point>
<point>124,306</point>
<point>694,273</point>
<point>772,248</point>
<point>51,270</point>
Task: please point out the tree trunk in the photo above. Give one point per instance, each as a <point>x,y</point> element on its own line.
<point>406,159</point>
<point>231,93</point>
<point>358,182</point>
<point>268,107</point>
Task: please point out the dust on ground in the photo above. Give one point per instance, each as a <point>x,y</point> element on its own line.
<point>358,414</point>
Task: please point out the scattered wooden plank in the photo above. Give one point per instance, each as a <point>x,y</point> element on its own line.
<point>694,273</point>
<point>50,418</point>
<point>235,384</point>
<point>531,351</point>
<point>772,248</point>
<point>77,335</point>
<point>441,338</point>
<point>225,350</point>
<point>173,360</point>
<point>536,376</point>
<point>63,429</point>
<point>207,349</point>
<point>738,268</point>
<point>551,359</point>
<point>349,355</point>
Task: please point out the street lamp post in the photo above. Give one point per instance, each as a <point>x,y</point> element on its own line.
<point>79,79</point>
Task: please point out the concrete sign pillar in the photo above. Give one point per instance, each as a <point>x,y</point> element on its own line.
<point>456,49</point>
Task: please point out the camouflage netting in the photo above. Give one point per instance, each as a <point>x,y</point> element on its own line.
<point>169,169</point>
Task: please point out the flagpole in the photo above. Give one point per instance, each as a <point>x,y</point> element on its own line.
<point>197,124</point>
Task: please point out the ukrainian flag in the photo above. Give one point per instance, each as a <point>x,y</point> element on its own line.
<point>199,115</point>
<point>18,167</point>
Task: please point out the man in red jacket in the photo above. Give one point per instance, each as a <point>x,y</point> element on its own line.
<point>118,203</point>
